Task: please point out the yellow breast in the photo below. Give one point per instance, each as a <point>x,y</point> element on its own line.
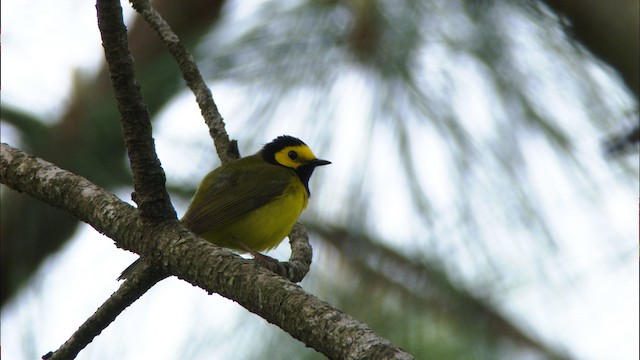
<point>265,227</point>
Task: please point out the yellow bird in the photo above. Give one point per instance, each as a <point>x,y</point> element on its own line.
<point>251,204</point>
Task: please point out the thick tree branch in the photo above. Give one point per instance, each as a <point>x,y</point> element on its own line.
<point>199,262</point>
<point>148,177</point>
<point>74,194</point>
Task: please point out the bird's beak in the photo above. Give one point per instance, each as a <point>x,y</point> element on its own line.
<point>319,162</point>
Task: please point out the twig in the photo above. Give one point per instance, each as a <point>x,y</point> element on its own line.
<point>192,76</point>
<point>130,291</point>
<point>301,254</point>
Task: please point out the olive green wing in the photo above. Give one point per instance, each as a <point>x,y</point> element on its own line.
<point>231,192</point>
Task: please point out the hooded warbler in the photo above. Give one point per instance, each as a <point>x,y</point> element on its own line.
<point>251,204</point>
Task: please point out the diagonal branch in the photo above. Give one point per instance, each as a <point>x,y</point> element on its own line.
<point>126,295</point>
<point>148,177</point>
<point>192,76</point>
<point>214,269</point>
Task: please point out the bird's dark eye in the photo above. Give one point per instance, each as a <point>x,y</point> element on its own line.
<point>292,155</point>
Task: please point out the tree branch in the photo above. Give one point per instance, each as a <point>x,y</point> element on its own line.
<point>197,261</point>
<point>192,76</point>
<point>301,254</point>
<point>148,177</point>
<point>126,295</point>
<point>69,192</point>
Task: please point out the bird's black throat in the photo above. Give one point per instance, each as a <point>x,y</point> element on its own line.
<point>304,173</point>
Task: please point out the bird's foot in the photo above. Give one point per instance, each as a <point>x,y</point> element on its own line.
<point>270,263</point>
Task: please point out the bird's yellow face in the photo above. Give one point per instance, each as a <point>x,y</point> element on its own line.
<point>292,153</point>
<point>294,156</point>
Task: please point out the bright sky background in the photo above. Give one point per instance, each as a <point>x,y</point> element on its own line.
<point>41,49</point>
